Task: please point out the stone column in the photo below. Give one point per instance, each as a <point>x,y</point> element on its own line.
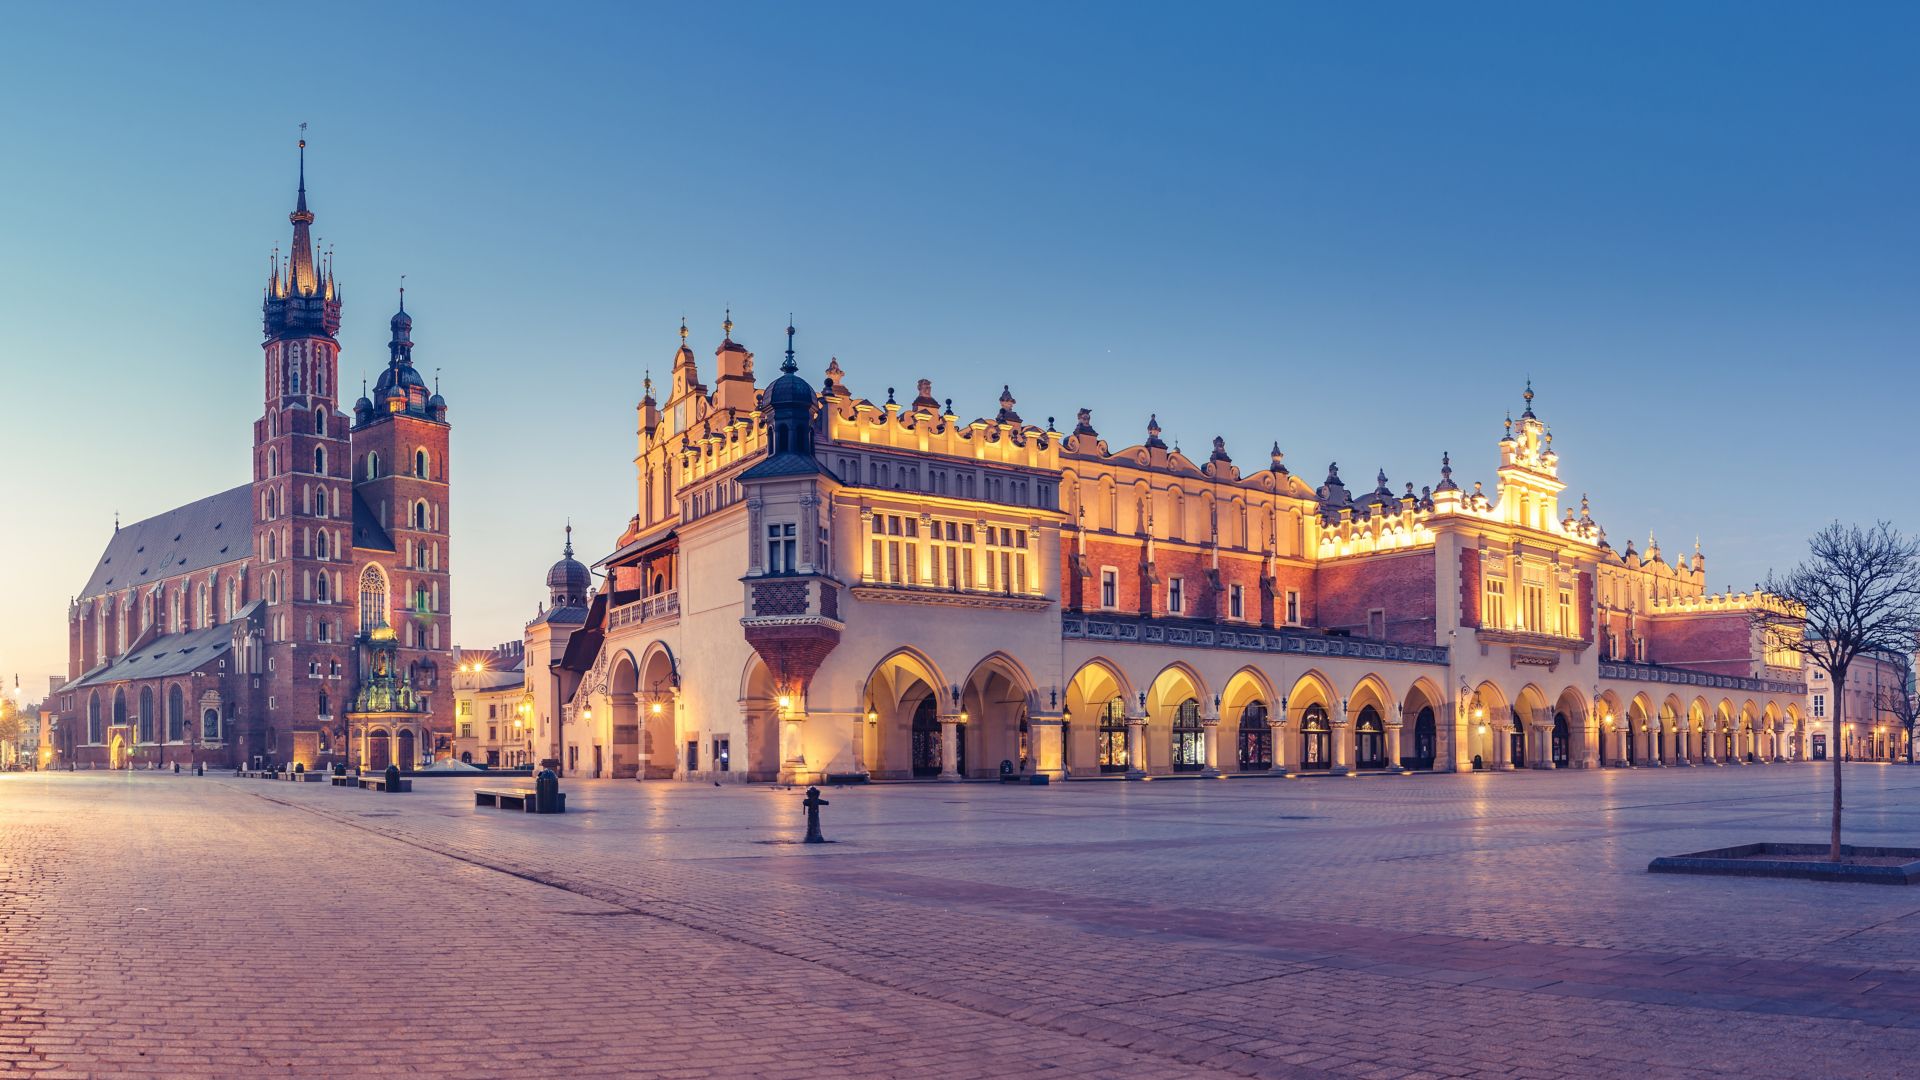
<point>1210,738</point>
<point>1342,744</point>
<point>950,748</point>
<point>1277,729</point>
<point>793,747</point>
<point>1136,747</point>
<point>1394,729</point>
<point>1049,751</point>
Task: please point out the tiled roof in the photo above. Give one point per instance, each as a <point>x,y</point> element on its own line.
<point>209,532</point>
<point>172,654</point>
<point>367,531</point>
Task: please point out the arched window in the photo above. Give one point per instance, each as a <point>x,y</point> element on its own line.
<point>1316,739</point>
<point>1256,738</point>
<point>373,599</point>
<point>1189,741</point>
<point>176,715</point>
<point>320,460</point>
<point>319,420</point>
<point>320,588</point>
<point>210,725</point>
<point>273,462</point>
<point>146,714</point>
<point>273,546</point>
<point>120,706</point>
<point>1369,739</point>
<point>1113,737</point>
<point>320,544</point>
<point>420,514</point>
<point>420,463</point>
<point>324,710</point>
<point>93,717</point>
<point>273,588</point>
<point>373,466</point>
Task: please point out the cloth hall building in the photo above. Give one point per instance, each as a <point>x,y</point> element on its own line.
<point>300,617</point>
<point>819,585</point>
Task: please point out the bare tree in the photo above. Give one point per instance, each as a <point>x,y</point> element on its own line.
<point>1857,593</point>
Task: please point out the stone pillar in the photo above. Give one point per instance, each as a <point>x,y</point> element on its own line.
<point>950,748</point>
<point>793,747</point>
<point>1277,729</point>
<point>1210,738</point>
<point>1342,744</point>
<point>1394,729</point>
<point>1461,710</point>
<point>1049,750</point>
<point>1136,747</point>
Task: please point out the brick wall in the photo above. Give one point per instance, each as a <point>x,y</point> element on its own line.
<point>1470,587</point>
<point>1717,642</point>
<point>1401,584</point>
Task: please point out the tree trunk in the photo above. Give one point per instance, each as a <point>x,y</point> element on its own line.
<point>1839,699</point>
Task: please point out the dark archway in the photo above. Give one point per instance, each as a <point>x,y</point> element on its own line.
<point>1189,739</point>
<point>1516,741</point>
<point>406,755</point>
<point>1316,739</point>
<point>1369,740</point>
<point>1426,742</point>
<point>926,739</point>
<point>1561,740</point>
<point>379,750</point>
<point>1113,737</point>
<point>1256,738</point>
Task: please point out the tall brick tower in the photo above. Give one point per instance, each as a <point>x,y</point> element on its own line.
<point>400,475</point>
<point>302,506</point>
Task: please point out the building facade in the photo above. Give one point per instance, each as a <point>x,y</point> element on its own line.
<point>492,709</point>
<point>257,624</point>
<point>818,585</point>
<point>1878,695</point>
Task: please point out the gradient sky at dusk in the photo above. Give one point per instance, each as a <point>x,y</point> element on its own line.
<point>1356,229</point>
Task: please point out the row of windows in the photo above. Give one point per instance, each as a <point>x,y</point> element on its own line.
<point>146,722</point>
<point>1532,614</point>
<point>1171,515</point>
<point>956,483</point>
<point>163,606</point>
<point>958,554</point>
<point>422,465</point>
<point>1177,597</point>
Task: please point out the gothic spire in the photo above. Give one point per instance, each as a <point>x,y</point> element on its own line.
<point>302,278</point>
<point>788,366</point>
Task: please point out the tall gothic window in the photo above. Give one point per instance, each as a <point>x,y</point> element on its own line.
<point>373,599</point>
<point>176,715</point>
<point>94,734</point>
<point>320,460</point>
<point>146,714</point>
<point>420,463</point>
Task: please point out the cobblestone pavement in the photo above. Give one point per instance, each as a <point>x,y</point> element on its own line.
<point>1431,926</point>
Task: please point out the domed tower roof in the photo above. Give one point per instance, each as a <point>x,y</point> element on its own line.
<point>568,580</point>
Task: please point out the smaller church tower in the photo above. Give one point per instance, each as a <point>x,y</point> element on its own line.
<point>400,481</point>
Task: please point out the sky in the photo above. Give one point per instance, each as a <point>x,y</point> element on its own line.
<point>1354,229</point>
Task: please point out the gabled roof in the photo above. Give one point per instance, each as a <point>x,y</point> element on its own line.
<point>367,531</point>
<point>785,465</point>
<point>172,654</point>
<point>209,532</point>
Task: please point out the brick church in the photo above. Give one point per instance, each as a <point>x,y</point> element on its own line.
<point>300,617</point>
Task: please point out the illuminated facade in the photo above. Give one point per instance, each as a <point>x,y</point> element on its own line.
<point>821,585</point>
<point>1879,687</point>
<point>492,709</point>
<point>249,626</point>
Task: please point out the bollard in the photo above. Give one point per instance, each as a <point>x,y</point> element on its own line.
<point>176,768</point>
<point>546,793</point>
<point>199,769</point>
<point>393,779</point>
<point>813,804</point>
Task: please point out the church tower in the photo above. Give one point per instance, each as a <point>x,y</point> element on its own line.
<point>400,473</point>
<point>302,503</point>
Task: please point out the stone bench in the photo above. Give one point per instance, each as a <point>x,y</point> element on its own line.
<point>379,783</point>
<point>345,781</point>
<point>515,799</point>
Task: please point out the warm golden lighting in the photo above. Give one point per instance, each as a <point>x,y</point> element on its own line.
<point>786,702</point>
<point>656,708</point>
<point>872,717</point>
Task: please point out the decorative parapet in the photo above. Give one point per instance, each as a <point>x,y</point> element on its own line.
<point>1720,602</point>
<point>663,606</point>
<point>1134,631</point>
<point>1613,669</point>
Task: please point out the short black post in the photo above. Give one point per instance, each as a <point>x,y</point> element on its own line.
<point>814,803</point>
<point>393,779</point>
<point>546,793</point>
<point>176,768</point>
<point>199,769</point>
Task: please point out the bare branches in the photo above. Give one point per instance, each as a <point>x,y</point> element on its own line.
<point>1858,592</point>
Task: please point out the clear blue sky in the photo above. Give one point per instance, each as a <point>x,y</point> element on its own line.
<point>1352,228</point>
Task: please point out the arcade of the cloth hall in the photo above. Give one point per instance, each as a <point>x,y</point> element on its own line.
<point>820,586</point>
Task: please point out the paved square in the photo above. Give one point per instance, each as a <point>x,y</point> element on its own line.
<point>1381,927</point>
